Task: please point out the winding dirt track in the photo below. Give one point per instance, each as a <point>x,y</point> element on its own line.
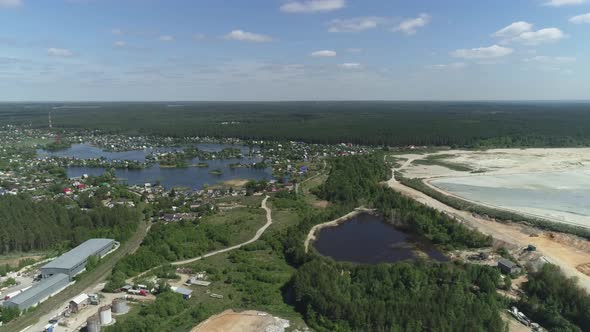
<point>257,236</point>
<point>560,253</point>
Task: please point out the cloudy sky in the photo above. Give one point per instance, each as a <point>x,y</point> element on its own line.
<point>294,50</point>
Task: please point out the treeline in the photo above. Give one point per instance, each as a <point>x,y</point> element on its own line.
<point>27,225</point>
<point>462,124</point>
<point>556,302</point>
<point>398,297</point>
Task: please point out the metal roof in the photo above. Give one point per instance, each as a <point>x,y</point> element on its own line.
<point>39,288</point>
<point>507,263</point>
<point>182,291</point>
<point>80,298</point>
<point>79,254</point>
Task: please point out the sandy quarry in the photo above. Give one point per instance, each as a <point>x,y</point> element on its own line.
<point>551,184</point>
<point>502,161</point>
<point>246,321</point>
<point>572,254</point>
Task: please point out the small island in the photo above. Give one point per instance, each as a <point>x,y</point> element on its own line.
<point>216,172</point>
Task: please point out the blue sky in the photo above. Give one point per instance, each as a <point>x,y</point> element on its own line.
<point>99,50</point>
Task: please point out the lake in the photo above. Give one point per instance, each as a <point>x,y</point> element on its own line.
<point>191,177</point>
<point>369,239</point>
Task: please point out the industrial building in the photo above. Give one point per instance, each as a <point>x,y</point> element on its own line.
<point>39,292</point>
<point>508,267</point>
<point>74,261</point>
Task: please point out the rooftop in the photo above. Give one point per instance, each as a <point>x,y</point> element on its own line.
<point>71,258</point>
<point>182,291</point>
<point>80,298</point>
<point>38,288</point>
<point>507,263</point>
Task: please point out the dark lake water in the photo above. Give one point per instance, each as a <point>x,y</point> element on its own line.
<point>369,239</point>
<point>190,177</point>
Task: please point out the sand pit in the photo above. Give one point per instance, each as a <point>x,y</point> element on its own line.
<point>246,321</point>
<point>551,184</point>
<point>569,252</point>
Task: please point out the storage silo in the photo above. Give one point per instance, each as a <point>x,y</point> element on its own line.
<point>105,315</point>
<point>93,324</point>
<point>120,306</point>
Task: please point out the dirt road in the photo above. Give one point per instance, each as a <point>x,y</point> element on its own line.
<point>254,239</point>
<point>257,236</point>
<point>560,253</point>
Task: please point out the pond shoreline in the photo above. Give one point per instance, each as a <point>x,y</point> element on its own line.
<point>364,237</point>
<point>312,235</point>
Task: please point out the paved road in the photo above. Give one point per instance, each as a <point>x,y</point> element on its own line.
<point>254,239</point>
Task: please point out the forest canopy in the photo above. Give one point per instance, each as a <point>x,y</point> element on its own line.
<point>27,225</point>
<point>465,124</point>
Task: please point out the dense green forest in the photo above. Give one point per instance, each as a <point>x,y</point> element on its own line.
<point>475,124</point>
<point>27,225</point>
<point>398,297</point>
<point>555,301</point>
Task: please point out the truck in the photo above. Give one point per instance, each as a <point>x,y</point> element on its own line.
<point>50,328</point>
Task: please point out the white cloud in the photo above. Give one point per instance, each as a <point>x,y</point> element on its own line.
<point>61,52</point>
<point>559,3</point>
<point>410,26</point>
<point>356,24</point>
<point>10,3</point>
<point>242,35</point>
<point>117,31</point>
<point>323,54</point>
<point>312,6</point>
<point>350,65</point>
<point>580,19</point>
<point>166,38</point>
<point>454,65</point>
<point>490,52</point>
<point>541,36</point>
<point>120,43</point>
<point>354,50</point>
<point>513,30</point>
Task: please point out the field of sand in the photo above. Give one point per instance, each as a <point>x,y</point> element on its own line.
<point>552,184</point>
<point>246,321</point>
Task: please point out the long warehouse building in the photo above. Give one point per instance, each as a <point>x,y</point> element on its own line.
<point>74,261</point>
<point>39,292</point>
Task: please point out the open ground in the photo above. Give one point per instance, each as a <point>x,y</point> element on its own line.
<point>571,253</point>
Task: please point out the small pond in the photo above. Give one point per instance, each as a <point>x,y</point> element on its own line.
<point>369,239</point>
